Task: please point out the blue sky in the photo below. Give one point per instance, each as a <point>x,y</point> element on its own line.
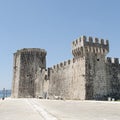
<point>53,25</point>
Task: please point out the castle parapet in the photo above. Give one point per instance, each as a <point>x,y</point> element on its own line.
<point>42,52</point>
<point>88,44</point>
<point>113,60</point>
<point>63,64</point>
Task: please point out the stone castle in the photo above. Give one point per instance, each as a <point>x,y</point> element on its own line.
<point>89,75</point>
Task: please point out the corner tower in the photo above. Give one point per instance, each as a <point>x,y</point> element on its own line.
<point>94,51</point>
<point>26,64</point>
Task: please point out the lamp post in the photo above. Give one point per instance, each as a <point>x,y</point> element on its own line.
<point>3,94</point>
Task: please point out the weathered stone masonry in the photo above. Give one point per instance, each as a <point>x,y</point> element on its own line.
<point>26,64</point>
<point>88,75</point>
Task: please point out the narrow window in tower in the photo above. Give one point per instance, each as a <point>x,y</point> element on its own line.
<point>98,59</point>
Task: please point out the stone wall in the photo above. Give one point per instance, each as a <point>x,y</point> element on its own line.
<point>96,84</point>
<point>67,80</point>
<point>41,83</point>
<point>16,75</point>
<point>113,77</point>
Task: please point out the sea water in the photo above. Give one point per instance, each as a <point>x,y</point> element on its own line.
<point>5,93</point>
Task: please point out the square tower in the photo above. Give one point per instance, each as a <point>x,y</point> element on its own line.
<point>94,51</point>
<point>26,64</point>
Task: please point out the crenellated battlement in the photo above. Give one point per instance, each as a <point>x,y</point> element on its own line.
<point>83,40</point>
<point>85,44</point>
<point>113,60</point>
<point>63,64</point>
<point>43,70</point>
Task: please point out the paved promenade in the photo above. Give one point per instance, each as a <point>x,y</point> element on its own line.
<point>36,109</point>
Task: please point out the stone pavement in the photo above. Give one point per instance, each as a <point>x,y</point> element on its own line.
<point>36,109</point>
<point>17,110</point>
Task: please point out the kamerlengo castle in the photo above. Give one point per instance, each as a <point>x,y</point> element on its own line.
<point>89,75</point>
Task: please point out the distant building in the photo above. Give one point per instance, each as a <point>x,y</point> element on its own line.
<point>88,75</point>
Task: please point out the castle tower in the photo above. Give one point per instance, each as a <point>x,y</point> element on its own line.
<point>94,51</point>
<point>26,64</point>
